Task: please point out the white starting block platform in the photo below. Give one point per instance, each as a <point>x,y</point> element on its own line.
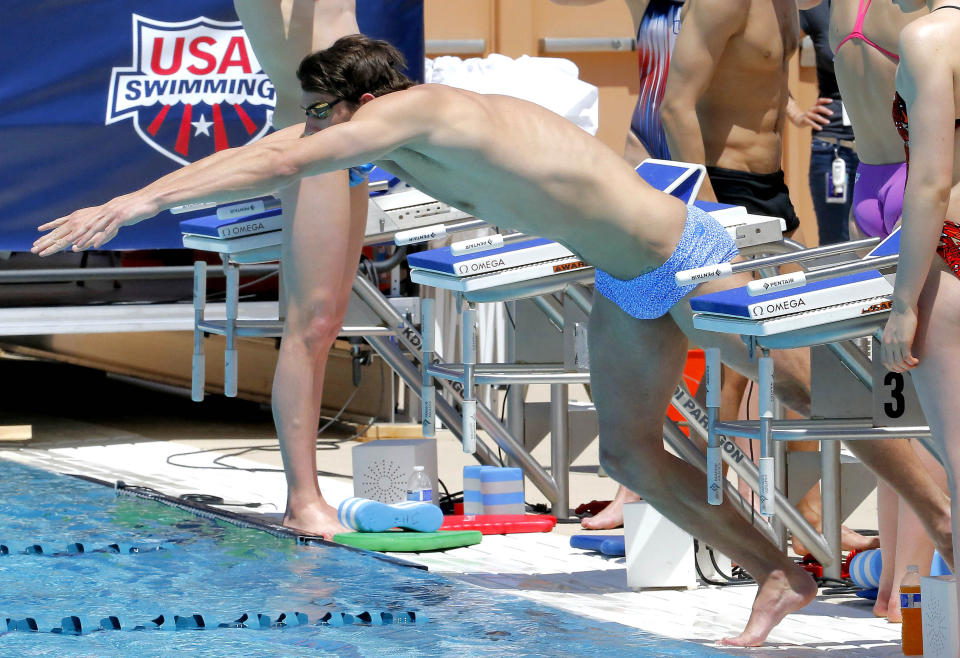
<point>525,260</point>
<point>536,259</point>
<point>790,308</point>
<point>397,209</point>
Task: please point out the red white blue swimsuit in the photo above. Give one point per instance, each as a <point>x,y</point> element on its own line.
<point>949,246</point>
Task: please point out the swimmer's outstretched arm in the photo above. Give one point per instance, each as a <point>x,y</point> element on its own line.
<point>376,129</point>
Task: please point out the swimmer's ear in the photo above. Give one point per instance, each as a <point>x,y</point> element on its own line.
<point>366,98</point>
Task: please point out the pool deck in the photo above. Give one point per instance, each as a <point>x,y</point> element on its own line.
<point>135,447</point>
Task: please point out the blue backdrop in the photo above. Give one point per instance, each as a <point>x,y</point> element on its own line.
<point>100,97</point>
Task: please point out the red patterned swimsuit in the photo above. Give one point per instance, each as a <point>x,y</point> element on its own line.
<point>949,246</point>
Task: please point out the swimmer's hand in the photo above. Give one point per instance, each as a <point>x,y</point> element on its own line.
<point>897,340</point>
<point>90,228</point>
<point>817,116</point>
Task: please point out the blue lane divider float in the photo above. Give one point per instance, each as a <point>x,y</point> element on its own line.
<point>76,548</point>
<point>84,625</point>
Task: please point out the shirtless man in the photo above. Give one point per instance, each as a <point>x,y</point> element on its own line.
<point>725,106</point>
<point>317,273</point>
<point>656,24</point>
<point>518,165</point>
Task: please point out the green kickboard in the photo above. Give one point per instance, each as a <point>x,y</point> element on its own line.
<point>399,541</point>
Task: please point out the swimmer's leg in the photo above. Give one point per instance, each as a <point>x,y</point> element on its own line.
<point>635,366</point>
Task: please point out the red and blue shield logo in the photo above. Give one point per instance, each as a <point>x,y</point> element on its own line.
<point>194,87</point>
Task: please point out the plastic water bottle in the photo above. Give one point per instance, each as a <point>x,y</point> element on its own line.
<point>912,628</point>
<point>419,488</point>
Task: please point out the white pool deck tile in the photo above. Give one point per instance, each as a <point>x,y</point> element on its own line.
<point>541,567</point>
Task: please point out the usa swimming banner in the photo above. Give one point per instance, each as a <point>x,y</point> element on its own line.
<point>100,97</point>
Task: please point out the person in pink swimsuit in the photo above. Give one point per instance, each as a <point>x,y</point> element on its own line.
<point>879,181</point>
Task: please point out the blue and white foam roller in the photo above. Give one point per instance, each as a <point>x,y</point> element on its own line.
<point>714,456</point>
<point>424,234</point>
<point>774,283</point>
<point>705,273</point>
<point>865,568</point>
<point>477,244</point>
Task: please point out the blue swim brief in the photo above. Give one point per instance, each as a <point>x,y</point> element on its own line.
<point>651,295</point>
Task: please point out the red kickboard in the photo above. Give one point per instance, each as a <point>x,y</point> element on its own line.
<point>500,524</point>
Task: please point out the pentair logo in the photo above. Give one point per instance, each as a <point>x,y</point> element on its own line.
<point>195,87</point>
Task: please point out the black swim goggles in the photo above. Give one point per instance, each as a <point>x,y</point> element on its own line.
<point>321,109</point>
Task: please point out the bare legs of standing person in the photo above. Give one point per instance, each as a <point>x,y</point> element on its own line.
<point>323,232</point>
<point>937,380</point>
<point>903,539</point>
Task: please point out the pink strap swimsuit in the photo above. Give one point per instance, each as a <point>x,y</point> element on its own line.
<point>858,32</point>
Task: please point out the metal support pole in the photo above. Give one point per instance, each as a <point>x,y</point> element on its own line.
<point>232,271</point>
<point>199,372</point>
<point>469,404</point>
<point>745,469</point>
<point>830,502</point>
<point>516,393</point>
<point>428,392</point>
<point>714,455</point>
<point>560,448</point>
<point>765,401</point>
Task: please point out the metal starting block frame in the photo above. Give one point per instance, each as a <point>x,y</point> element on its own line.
<point>895,412</point>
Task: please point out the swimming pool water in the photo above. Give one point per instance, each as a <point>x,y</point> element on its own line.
<point>221,571</point>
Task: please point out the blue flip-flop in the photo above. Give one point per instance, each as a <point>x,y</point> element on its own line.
<point>365,515</point>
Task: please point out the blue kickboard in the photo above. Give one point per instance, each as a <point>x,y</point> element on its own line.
<point>606,544</point>
<point>736,301</point>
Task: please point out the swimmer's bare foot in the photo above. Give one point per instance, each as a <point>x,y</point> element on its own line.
<point>778,596</point>
<point>894,616</point>
<point>882,606</point>
<point>318,519</point>
<point>850,540</point>
<point>611,516</point>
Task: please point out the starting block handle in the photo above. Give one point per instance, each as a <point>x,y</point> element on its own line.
<point>767,472</point>
<point>485,243</point>
<point>714,475</point>
<point>428,411</point>
<point>701,274</point>
<point>423,234</point>
<point>469,408</point>
<point>775,283</point>
<point>714,451</point>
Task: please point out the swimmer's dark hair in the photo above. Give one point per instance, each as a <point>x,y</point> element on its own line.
<point>353,66</point>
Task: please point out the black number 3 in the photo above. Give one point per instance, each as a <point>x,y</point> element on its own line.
<point>898,406</point>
